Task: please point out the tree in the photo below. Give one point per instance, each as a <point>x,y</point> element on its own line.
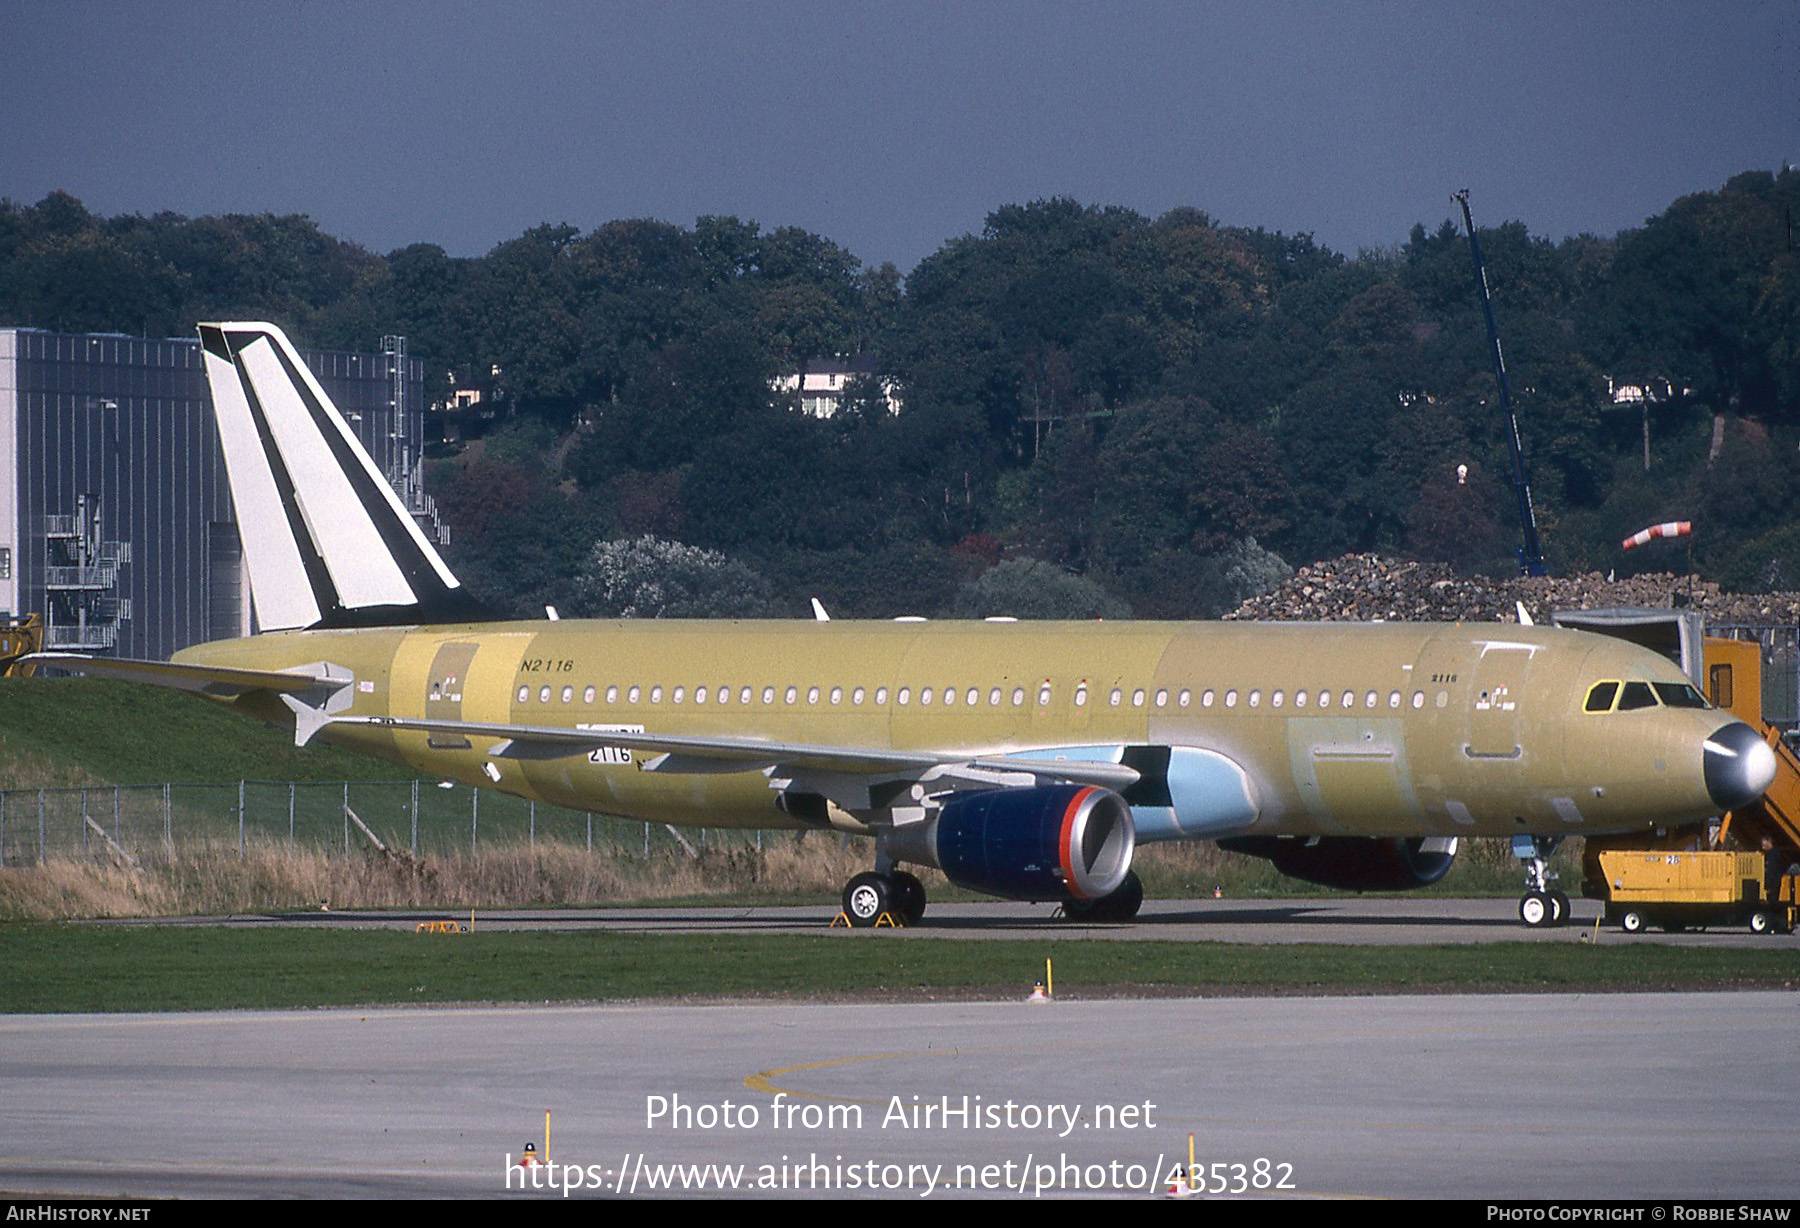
<point>652,578</point>
<point>1032,588</point>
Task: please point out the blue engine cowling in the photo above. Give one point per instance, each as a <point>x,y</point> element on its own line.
<point>1053,842</point>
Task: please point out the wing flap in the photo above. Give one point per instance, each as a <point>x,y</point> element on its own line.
<point>678,753</point>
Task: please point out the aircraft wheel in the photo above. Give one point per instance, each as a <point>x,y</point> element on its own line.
<point>909,896</point>
<point>1536,910</point>
<point>1631,921</point>
<point>1121,905</point>
<point>866,897</point>
<point>1761,922</point>
<point>1559,908</point>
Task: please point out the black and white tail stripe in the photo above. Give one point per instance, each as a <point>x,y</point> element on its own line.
<point>327,541</point>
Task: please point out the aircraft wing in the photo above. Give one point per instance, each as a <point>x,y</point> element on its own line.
<point>215,680</point>
<point>678,753</point>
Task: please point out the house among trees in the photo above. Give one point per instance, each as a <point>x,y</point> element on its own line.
<point>823,385</point>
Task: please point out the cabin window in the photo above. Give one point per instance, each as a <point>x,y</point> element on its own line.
<point>791,694</point>
<point>924,697</point>
<point>856,696</point>
<point>1162,699</point>
<point>1275,698</point>
<point>744,696</point>
<point>568,694</point>
<point>994,698</point>
<point>1443,698</point>
<point>524,694</point>
<point>1370,700</point>
<point>1393,699</point>
<point>1115,697</point>
<point>544,695</point>
<point>1185,698</point>
<point>1137,698</point>
<point>812,694</point>
<point>1256,699</point>
<point>656,694</point>
<point>768,695</point>
<point>1081,695</point>
<point>1418,699</point>
<point>1206,698</point>
<point>699,694</point>
<point>881,696</point>
<point>680,694</point>
<point>903,696</point>
<point>587,696</point>
<point>837,695</point>
<point>1636,695</point>
<point>1349,700</point>
<point>1299,699</point>
<point>1600,697</point>
<point>633,694</point>
<point>1018,697</point>
<point>1231,699</point>
<point>949,696</point>
<point>1044,696</point>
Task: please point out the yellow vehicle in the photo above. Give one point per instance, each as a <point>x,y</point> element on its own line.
<point>1679,889</point>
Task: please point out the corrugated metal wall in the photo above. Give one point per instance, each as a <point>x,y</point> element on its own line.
<point>129,422</point>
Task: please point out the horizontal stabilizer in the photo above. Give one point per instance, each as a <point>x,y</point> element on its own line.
<point>219,681</point>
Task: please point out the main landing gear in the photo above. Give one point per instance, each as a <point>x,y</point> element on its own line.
<point>1540,906</point>
<point>1121,905</point>
<point>872,893</point>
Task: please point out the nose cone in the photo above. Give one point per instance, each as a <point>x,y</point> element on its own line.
<point>1739,765</point>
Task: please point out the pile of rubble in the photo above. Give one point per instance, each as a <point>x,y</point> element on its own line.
<point>1361,587</point>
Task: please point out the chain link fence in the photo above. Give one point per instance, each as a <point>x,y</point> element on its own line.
<point>156,822</point>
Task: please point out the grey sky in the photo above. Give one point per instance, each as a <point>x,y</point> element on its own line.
<point>891,128</point>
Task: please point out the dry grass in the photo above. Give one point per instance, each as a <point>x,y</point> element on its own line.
<point>216,880</point>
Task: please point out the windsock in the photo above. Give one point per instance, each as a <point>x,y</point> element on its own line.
<point>1671,528</point>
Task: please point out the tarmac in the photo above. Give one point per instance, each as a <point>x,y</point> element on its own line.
<point>1566,1097</point>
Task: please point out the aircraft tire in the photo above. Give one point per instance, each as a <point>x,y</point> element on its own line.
<point>1536,909</point>
<point>1762,922</point>
<point>866,897</point>
<point>1559,906</point>
<point>909,896</point>
<point>1121,905</point>
<point>1631,921</point>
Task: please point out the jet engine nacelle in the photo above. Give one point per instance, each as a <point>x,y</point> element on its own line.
<point>1354,863</point>
<point>1052,842</point>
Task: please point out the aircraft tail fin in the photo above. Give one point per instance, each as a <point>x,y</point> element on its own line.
<point>327,541</point>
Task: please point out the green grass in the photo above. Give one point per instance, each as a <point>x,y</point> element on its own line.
<point>91,731</point>
<point>148,968</point>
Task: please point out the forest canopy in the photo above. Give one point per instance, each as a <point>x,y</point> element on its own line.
<point>1103,412</point>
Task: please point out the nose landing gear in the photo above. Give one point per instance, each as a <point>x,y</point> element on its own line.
<point>1541,906</point>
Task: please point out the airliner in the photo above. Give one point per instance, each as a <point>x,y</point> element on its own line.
<point>1025,760</point>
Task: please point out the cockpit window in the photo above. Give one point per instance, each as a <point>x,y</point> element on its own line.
<point>1600,697</point>
<point>1637,695</point>
<point>1679,695</point>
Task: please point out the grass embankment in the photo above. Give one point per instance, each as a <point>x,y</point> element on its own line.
<point>113,968</point>
<point>91,731</point>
